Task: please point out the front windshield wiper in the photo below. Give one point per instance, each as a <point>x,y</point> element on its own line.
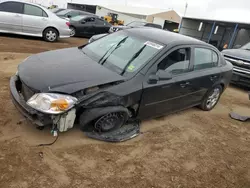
<point>102,60</point>
<point>133,58</point>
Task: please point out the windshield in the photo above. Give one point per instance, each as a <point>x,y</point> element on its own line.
<point>136,24</point>
<point>77,18</point>
<point>246,46</point>
<point>63,12</point>
<point>122,53</point>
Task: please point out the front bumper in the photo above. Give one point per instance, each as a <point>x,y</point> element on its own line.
<point>34,116</point>
<point>241,76</point>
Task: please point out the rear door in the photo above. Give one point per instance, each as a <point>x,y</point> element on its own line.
<point>35,19</point>
<point>206,68</point>
<point>11,16</point>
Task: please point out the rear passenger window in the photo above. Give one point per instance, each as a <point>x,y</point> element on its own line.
<point>205,58</point>
<point>34,11</point>
<point>177,62</point>
<point>13,7</point>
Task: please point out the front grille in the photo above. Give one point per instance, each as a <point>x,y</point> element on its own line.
<point>238,62</point>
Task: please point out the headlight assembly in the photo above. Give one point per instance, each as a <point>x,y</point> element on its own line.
<point>51,103</point>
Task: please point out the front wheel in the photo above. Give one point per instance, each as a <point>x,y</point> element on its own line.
<point>211,98</point>
<point>50,35</point>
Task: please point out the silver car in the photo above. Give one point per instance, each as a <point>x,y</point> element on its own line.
<point>19,17</point>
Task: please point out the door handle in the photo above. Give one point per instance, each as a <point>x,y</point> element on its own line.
<point>17,15</point>
<point>212,78</point>
<point>185,84</point>
<point>44,19</point>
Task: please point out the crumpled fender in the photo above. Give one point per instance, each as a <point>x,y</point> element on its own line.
<point>91,114</point>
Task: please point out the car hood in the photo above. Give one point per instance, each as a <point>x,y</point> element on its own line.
<point>239,53</point>
<point>65,71</point>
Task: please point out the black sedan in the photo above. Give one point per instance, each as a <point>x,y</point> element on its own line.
<point>134,24</point>
<point>88,26</point>
<point>128,75</point>
<point>71,13</point>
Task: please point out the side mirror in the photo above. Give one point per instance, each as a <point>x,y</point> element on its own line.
<point>153,79</point>
<point>83,22</point>
<point>69,16</point>
<point>163,75</point>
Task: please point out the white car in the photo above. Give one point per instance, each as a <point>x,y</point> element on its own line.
<point>19,17</point>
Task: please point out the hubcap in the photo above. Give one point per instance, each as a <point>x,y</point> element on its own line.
<point>213,98</point>
<point>51,36</point>
<point>72,32</point>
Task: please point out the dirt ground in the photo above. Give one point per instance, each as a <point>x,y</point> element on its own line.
<point>184,150</point>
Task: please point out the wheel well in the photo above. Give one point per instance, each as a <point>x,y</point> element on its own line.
<point>223,86</point>
<point>52,28</point>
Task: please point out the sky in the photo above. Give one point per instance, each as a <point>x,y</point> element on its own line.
<point>230,10</point>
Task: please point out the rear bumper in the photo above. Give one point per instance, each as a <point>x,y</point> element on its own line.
<point>34,116</point>
<point>241,76</point>
<point>64,33</point>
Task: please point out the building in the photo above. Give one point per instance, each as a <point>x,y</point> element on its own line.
<point>168,19</point>
<point>227,34</point>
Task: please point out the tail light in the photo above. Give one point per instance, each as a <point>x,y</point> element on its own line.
<point>68,24</point>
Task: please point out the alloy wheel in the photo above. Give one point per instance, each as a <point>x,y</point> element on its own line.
<point>213,98</point>
<point>51,35</point>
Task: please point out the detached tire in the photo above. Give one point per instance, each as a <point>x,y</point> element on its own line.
<point>211,98</point>
<point>50,35</point>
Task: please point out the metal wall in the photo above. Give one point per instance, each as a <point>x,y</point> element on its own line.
<point>225,34</point>
<point>87,8</point>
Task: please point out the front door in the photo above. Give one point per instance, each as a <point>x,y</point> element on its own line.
<point>34,20</point>
<point>87,26</point>
<point>171,95</point>
<point>11,17</point>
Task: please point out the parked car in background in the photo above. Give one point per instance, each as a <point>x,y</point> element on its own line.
<point>134,24</point>
<point>30,19</point>
<point>88,26</point>
<point>240,58</point>
<point>136,73</point>
<point>70,13</point>
<point>57,10</point>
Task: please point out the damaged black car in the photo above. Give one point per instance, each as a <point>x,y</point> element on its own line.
<point>108,85</point>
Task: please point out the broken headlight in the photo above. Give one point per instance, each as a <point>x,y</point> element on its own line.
<point>51,103</point>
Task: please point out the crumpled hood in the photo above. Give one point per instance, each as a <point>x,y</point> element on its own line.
<point>68,70</point>
<point>240,53</point>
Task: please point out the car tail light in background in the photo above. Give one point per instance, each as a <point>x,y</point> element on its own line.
<point>67,23</point>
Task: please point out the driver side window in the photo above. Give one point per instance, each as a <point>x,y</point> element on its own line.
<point>177,62</point>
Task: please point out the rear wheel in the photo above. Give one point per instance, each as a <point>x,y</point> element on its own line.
<point>211,98</point>
<point>50,35</point>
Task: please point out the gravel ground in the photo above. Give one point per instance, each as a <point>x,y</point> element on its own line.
<point>189,149</point>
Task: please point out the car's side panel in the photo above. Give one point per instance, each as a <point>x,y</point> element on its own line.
<point>10,22</point>
<point>34,24</point>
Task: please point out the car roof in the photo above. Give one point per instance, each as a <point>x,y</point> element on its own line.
<point>21,1</point>
<point>165,37</point>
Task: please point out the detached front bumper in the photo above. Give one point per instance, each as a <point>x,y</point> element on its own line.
<point>241,76</point>
<point>34,116</point>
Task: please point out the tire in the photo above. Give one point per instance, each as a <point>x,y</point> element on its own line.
<point>72,31</point>
<point>211,98</point>
<point>106,123</point>
<point>50,35</point>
